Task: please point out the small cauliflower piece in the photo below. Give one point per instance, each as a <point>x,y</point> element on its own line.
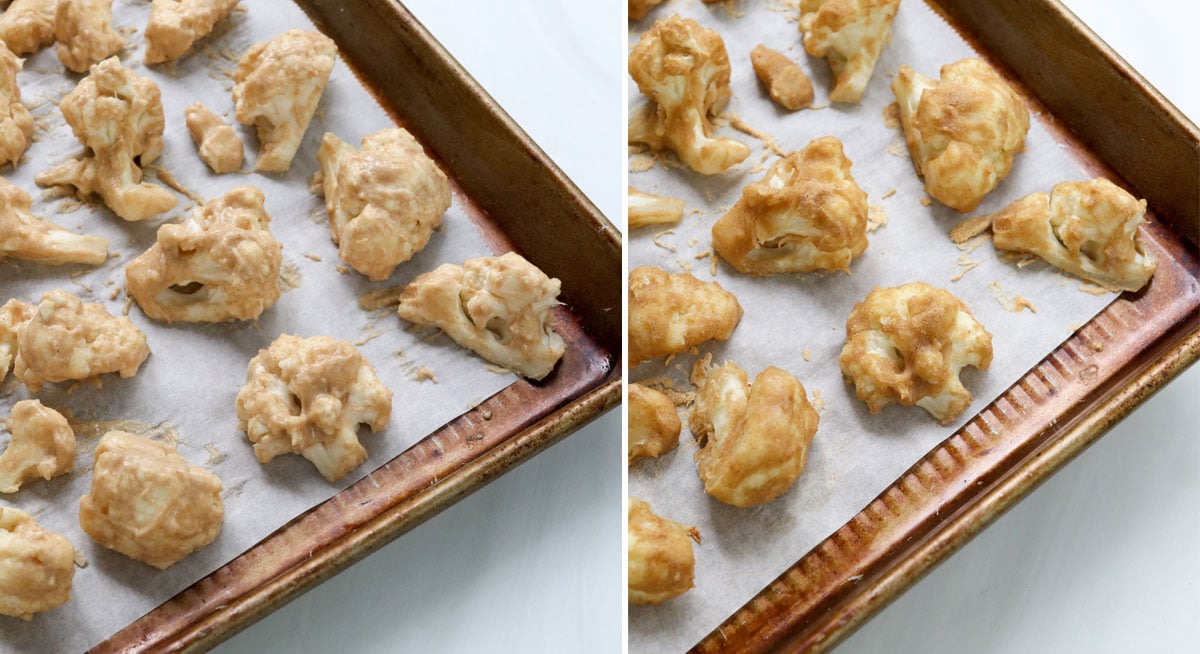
<point>384,201</point>
<point>32,238</point>
<point>646,209</point>
<point>671,312</point>
<point>660,558</point>
<point>85,33</point>
<point>28,25</point>
<point>963,131</point>
<point>683,69</point>
<point>908,344</point>
<point>654,423</point>
<point>1089,229</point>
<point>806,214</point>
<point>219,145</point>
<point>308,396</point>
<point>42,446</point>
<point>277,85</point>
<point>36,566</point>
<point>176,24</point>
<point>849,34</point>
<point>786,82</point>
<point>16,124</point>
<point>499,307</point>
<point>639,8</point>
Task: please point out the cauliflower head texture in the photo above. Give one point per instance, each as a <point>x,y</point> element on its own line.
<point>16,123</point>
<point>36,566</point>
<point>661,562</point>
<point>28,25</point>
<point>42,446</point>
<point>671,312</point>
<point>85,33</point>
<point>849,34</point>
<point>32,238</point>
<point>176,24</point>
<point>219,145</point>
<point>654,423</point>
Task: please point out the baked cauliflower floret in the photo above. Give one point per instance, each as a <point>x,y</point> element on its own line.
<point>786,82</point>
<point>1089,229</point>
<point>222,263</point>
<point>85,33</point>
<point>806,214</point>
<point>16,124</point>
<point>963,131</point>
<point>32,238</point>
<point>176,24</point>
<point>908,344</point>
<point>219,145</point>
<point>118,116</point>
<point>383,201</point>
<point>308,396</point>
<point>661,562</point>
<point>654,424</point>
<point>639,8</point>
<point>28,25</point>
<point>499,307</point>
<point>671,312</point>
<point>849,34</point>
<point>148,503</point>
<point>277,85</point>
<point>42,446</point>
<point>36,566</point>
<point>684,70</point>
<point>646,209</point>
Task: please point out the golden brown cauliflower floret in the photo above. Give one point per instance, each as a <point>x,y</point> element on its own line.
<point>277,85</point>
<point>499,307</point>
<point>671,312</point>
<point>384,201</point>
<point>661,562</point>
<point>849,34</point>
<point>16,125</point>
<point>32,238</point>
<point>36,566</point>
<point>148,503</point>
<point>908,344</point>
<point>42,446</point>
<point>176,24</point>
<point>308,396</point>
<point>806,214</point>
<point>222,263</point>
<point>85,33</point>
<point>786,82</point>
<point>684,70</point>
<point>654,424</point>
<point>1089,229</point>
<point>28,25</point>
<point>639,8</point>
<point>219,145</point>
<point>646,209</point>
<point>963,131</point>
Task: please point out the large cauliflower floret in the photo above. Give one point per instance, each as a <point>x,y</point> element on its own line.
<point>806,214</point>
<point>28,25</point>
<point>176,24</point>
<point>149,503</point>
<point>654,424</point>
<point>684,70</point>
<point>908,344</point>
<point>660,558</point>
<point>383,202</point>
<point>32,238</point>
<point>16,125</point>
<point>85,33</point>
<point>42,446</point>
<point>963,131</point>
<point>118,116</point>
<point>222,263</point>
<point>308,396</point>
<point>672,312</point>
<point>1089,229</point>
<point>849,34</point>
<point>277,85</point>
<point>36,566</point>
<point>219,145</point>
<point>499,307</point>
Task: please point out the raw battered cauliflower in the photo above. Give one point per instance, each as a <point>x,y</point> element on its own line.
<point>219,145</point>
<point>646,209</point>
<point>963,131</point>
<point>383,202</point>
<point>149,503</point>
<point>806,214</point>
<point>36,566</point>
<point>786,82</point>
<point>28,25</point>
<point>277,85</point>
<point>661,562</point>
<point>684,70</point>
<point>671,312</point>
<point>654,424</point>
<point>639,8</point>
<point>16,125</point>
<point>176,24</point>
<point>42,446</point>
<point>32,238</point>
<point>222,263</point>
<point>908,344</point>
<point>85,33</point>
<point>118,116</point>
<point>1089,229</point>
<point>499,307</point>
<point>849,34</point>
<point>308,396</point>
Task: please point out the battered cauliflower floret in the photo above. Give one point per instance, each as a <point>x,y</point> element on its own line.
<point>908,344</point>
<point>499,307</point>
<point>16,125</point>
<point>384,201</point>
<point>176,24</point>
<point>219,145</point>
<point>118,116</point>
<point>28,25</point>
<point>806,214</point>
<point>32,238</point>
<point>36,566</point>
<point>308,396</point>
<point>661,562</point>
<point>13,315</point>
<point>222,263</point>
<point>786,82</point>
<point>646,209</point>
<point>1089,229</point>
<point>671,312</point>
<point>149,503</point>
<point>42,446</point>
<point>684,70</point>
<point>963,131</point>
<point>85,33</point>
<point>654,424</point>
<point>639,8</point>
<point>849,34</point>
<point>277,85</point>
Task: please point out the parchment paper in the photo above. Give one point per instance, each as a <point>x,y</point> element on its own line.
<point>195,371</point>
<point>854,455</point>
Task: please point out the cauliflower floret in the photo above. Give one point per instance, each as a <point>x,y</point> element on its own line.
<point>654,424</point>
<point>639,8</point>
<point>308,396</point>
<point>963,132</point>
<point>149,503</point>
<point>85,33</point>
<point>277,85</point>
<point>383,202</point>
<point>646,209</point>
<point>1089,229</point>
<point>671,312</point>
<point>16,125</point>
<point>118,116</point>
<point>684,70</point>
<point>219,145</point>
<point>63,339</point>
<point>28,237</point>
<point>661,562</point>
<point>176,24</point>
<point>908,344</point>
<point>42,446</point>
<point>786,82</point>
<point>849,34</point>
<point>222,263</point>
<point>36,566</point>
<point>497,306</point>
<point>806,214</point>
<point>28,25</point>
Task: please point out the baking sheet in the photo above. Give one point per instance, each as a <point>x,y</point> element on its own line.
<point>193,376</point>
<point>797,322</point>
